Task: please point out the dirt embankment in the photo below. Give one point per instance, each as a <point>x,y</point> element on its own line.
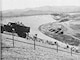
<point>52,30</point>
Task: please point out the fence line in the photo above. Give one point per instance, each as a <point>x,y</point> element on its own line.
<point>14,58</point>
<point>39,45</point>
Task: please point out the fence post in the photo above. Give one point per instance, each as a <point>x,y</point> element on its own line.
<point>34,44</point>
<point>56,45</point>
<point>13,36</point>
<point>35,38</point>
<point>71,50</point>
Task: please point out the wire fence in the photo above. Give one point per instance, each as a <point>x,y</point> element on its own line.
<point>35,39</point>
<point>14,58</point>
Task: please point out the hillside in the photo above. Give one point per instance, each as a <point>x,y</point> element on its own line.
<point>67,32</point>
<point>25,51</point>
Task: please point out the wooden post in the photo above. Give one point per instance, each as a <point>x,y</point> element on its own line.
<point>35,38</point>
<point>13,39</point>
<point>13,36</point>
<point>71,50</point>
<point>56,45</point>
<point>34,44</point>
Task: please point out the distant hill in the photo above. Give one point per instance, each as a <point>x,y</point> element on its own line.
<point>41,11</point>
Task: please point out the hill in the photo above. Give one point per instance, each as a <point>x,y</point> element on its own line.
<point>41,11</point>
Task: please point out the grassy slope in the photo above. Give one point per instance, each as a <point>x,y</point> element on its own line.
<point>26,52</point>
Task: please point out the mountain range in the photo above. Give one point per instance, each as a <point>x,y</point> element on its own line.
<point>45,10</point>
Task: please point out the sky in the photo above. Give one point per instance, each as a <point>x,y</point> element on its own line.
<point>22,4</point>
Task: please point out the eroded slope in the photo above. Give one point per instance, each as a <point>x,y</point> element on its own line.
<point>63,31</point>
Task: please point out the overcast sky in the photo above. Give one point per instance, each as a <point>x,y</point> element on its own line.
<point>22,4</point>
